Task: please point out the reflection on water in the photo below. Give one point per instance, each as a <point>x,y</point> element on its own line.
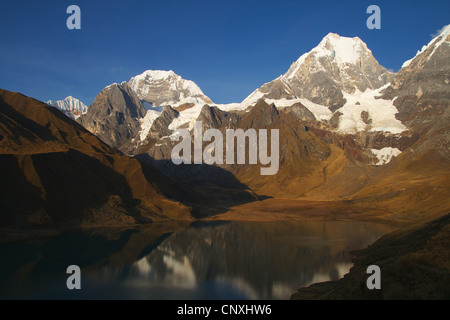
<point>208,260</point>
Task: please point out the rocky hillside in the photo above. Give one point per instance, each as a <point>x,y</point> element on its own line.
<point>56,174</point>
<point>420,90</point>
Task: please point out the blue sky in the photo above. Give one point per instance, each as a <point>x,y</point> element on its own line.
<point>228,47</point>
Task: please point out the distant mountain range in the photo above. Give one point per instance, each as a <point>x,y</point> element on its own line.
<point>339,83</point>
<point>330,75</point>
<point>334,102</point>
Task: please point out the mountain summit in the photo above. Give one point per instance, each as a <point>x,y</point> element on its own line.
<point>70,106</point>
<point>336,66</point>
<point>161,88</point>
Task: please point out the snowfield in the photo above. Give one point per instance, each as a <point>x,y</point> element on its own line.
<point>385,155</point>
<point>381,113</point>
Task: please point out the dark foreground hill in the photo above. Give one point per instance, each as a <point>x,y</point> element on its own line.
<point>56,174</point>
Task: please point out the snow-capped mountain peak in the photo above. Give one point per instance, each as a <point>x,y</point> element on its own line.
<point>159,88</point>
<point>70,106</point>
<point>335,67</point>
<point>342,50</point>
<point>155,75</point>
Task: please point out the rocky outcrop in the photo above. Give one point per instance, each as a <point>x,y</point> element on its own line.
<point>301,112</point>
<point>56,174</point>
<point>380,140</point>
<point>213,117</point>
<point>351,147</point>
<point>262,115</point>
<point>334,120</point>
<point>114,115</point>
<point>160,127</point>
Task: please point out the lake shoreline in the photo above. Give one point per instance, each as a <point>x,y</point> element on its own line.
<point>409,244</point>
<point>279,209</point>
<point>225,260</point>
<point>273,209</point>
<point>407,253</point>
<point>414,263</point>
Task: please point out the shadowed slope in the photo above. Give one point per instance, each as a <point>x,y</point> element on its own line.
<point>55,173</point>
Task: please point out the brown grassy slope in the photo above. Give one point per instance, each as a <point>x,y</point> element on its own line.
<point>310,168</point>
<point>56,173</point>
<point>416,184</point>
<point>30,126</point>
<point>414,261</point>
<point>413,186</point>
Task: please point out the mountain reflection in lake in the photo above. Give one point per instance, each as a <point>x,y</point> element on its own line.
<point>208,260</point>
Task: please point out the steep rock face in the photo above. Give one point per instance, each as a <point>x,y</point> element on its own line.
<point>351,147</point>
<point>433,148</point>
<point>260,116</point>
<point>336,66</point>
<point>301,112</point>
<point>421,87</point>
<point>161,88</point>
<point>213,117</point>
<point>160,127</point>
<point>114,115</point>
<point>380,140</point>
<point>278,89</point>
<point>158,144</point>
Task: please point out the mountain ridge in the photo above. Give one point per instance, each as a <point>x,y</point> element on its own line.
<point>420,89</point>
<point>339,81</point>
<point>367,130</point>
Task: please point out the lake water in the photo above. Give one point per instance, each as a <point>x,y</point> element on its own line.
<point>206,260</point>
